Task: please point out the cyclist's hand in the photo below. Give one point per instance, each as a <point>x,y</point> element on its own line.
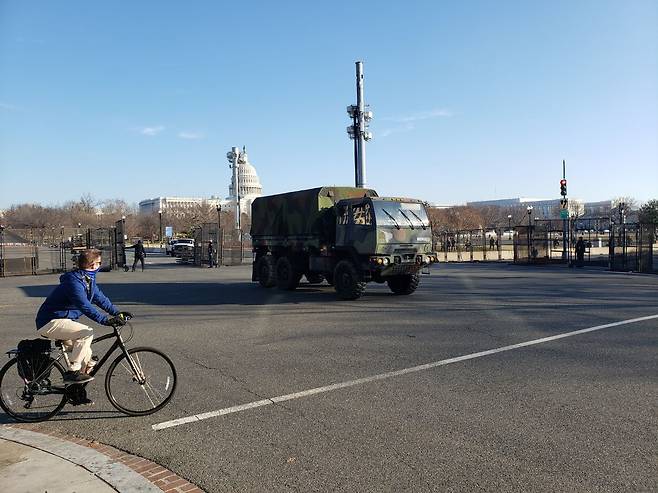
<point>115,322</point>
<point>126,315</point>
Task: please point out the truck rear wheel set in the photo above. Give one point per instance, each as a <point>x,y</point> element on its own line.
<point>287,275</point>
<point>266,273</point>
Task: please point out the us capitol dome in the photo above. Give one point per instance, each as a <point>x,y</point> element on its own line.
<point>250,187</point>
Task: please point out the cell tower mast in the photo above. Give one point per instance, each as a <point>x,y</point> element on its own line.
<point>358,131</point>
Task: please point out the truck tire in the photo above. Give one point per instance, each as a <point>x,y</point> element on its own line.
<point>314,278</point>
<point>346,281</point>
<point>266,273</point>
<point>404,284</point>
<point>287,277</point>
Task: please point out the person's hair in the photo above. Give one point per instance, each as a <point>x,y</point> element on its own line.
<point>87,257</point>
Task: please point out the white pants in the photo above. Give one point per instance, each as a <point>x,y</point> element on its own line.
<point>75,335</point>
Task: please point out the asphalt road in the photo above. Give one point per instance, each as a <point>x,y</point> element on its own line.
<point>571,414</point>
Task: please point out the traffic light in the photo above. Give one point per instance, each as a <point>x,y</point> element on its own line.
<point>563,188</point>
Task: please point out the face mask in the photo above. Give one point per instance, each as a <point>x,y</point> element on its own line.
<point>91,271</point>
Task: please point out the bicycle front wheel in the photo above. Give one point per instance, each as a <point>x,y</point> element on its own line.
<point>32,400</point>
<point>143,384</point>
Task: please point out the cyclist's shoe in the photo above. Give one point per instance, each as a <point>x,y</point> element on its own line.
<point>73,377</point>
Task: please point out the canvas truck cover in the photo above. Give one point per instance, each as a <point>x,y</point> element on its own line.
<point>304,215</point>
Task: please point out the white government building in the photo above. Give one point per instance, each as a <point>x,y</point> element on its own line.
<point>250,189</point>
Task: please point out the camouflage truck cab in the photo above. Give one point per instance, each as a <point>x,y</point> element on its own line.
<point>348,236</point>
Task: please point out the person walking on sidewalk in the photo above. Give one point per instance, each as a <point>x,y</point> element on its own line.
<point>580,252</point>
<point>77,293</point>
<point>140,254</point>
<point>211,255</point>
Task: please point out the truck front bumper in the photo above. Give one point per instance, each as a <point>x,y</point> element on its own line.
<point>394,265</point>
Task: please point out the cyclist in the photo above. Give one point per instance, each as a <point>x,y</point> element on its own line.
<point>76,295</point>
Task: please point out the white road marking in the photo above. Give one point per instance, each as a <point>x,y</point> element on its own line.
<point>382,376</point>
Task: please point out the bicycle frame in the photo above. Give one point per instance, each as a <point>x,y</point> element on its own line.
<point>118,343</point>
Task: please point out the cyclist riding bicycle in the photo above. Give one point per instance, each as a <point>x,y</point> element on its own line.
<point>76,295</point>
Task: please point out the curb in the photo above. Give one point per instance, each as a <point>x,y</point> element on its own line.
<point>122,471</point>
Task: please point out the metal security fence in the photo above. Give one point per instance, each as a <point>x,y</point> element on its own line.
<point>236,248</point>
<point>120,244</point>
<point>104,239</point>
<point>474,245</point>
<point>595,232</point>
<point>203,235</point>
<point>32,251</point>
<point>230,247</point>
<point>633,247</point>
<point>543,241</point>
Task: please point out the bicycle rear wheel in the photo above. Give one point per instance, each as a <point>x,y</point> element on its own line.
<point>144,390</point>
<point>31,401</point>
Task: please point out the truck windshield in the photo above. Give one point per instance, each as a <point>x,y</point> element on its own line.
<point>398,214</point>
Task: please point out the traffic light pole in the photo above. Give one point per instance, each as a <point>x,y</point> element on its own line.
<point>565,221</point>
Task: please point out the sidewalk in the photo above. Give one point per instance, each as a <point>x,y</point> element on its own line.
<point>32,462</point>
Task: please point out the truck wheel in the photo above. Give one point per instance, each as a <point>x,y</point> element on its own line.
<point>405,284</point>
<point>266,274</point>
<point>287,277</point>
<point>314,278</point>
<point>346,281</point>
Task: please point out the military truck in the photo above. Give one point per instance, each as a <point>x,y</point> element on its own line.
<point>346,236</point>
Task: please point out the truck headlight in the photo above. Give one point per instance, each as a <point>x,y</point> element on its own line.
<point>386,261</point>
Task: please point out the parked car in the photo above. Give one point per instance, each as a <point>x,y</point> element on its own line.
<point>184,249</point>
<point>170,247</point>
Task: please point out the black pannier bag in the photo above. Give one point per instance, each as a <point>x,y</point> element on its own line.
<point>33,358</point>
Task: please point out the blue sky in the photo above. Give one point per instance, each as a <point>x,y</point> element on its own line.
<point>471,100</point>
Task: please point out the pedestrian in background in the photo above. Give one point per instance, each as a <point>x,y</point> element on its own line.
<point>211,255</point>
<point>140,254</point>
<point>580,252</point>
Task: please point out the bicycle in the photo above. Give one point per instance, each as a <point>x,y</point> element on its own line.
<point>140,381</point>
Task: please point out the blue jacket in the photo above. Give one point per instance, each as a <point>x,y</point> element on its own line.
<point>71,300</point>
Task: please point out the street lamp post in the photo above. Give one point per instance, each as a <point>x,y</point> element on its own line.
<point>220,239</point>
<point>622,229</point>
<point>2,248</point>
<point>123,243</point>
<point>160,217</point>
<point>529,231</point>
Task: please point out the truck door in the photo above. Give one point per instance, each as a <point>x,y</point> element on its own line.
<point>343,222</point>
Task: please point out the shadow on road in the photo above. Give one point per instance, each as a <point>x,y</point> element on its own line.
<point>64,415</point>
<point>196,293</point>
